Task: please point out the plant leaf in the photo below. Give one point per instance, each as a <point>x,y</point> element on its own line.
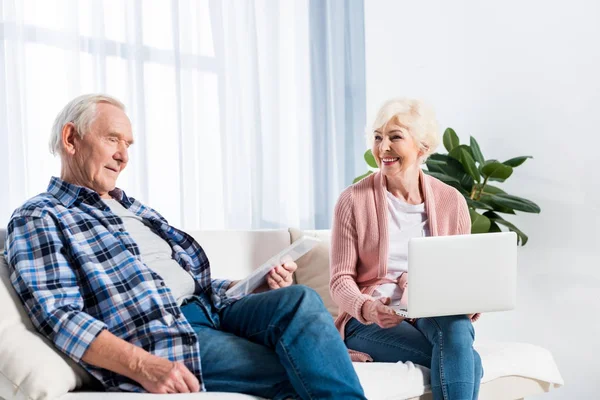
<point>494,227</point>
<point>449,180</point>
<point>516,203</point>
<point>443,177</point>
<point>522,238</point>
<point>453,168</point>
<point>487,199</point>
<point>462,153</point>
<point>478,204</point>
<point>496,171</point>
<point>515,162</point>
<point>362,176</point>
<point>370,159</point>
<point>436,162</point>
<point>479,223</point>
<point>476,151</point>
<point>435,165</point>
<point>450,139</point>
<point>489,189</point>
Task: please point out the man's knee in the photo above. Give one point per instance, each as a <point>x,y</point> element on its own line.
<point>305,294</point>
<point>302,299</point>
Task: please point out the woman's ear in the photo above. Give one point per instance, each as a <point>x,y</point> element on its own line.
<point>69,136</point>
<point>423,149</point>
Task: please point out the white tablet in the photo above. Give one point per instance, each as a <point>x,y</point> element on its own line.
<point>259,275</point>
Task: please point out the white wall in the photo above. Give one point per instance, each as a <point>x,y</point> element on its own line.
<point>523,77</point>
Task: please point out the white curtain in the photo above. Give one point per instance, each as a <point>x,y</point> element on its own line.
<point>239,108</point>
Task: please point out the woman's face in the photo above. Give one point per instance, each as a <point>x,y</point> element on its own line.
<point>395,149</point>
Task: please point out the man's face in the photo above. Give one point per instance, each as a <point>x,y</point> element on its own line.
<point>102,154</point>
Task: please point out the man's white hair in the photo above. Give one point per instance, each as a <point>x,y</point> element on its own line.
<point>416,115</point>
<point>81,111</point>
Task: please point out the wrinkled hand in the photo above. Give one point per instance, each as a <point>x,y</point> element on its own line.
<point>474,317</point>
<point>282,276</point>
<point>159,375</point>
<point>378,312</point>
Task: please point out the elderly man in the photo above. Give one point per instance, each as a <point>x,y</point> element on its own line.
<point>131,298</point>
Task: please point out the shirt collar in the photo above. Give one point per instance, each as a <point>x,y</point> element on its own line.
<point>69,194</point>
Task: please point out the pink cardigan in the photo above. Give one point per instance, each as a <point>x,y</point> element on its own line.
<point>359,239</point>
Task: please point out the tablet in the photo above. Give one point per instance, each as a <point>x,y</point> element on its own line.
<point>259,275</point>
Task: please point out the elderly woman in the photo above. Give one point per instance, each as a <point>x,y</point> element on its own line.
<point>373,222</point>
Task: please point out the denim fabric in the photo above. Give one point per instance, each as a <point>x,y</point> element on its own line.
<point>443,344</point>
<point>278,344</point>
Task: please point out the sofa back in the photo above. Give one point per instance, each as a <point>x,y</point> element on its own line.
<point>234,254</point>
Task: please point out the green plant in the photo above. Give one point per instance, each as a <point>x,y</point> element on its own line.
<point>465,169</point>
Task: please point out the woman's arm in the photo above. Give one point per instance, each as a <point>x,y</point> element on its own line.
<point>343,259</point>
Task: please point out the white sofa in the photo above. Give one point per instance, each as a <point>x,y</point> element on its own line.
<point>31,369</point>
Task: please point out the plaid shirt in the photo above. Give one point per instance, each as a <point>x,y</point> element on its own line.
<point>78,272</point>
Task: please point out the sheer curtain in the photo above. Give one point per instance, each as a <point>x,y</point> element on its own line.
<point>246,114</point>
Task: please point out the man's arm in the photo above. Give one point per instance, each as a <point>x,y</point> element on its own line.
<point>47,284</point>
<point>49,289</point>
<point>155,374</point>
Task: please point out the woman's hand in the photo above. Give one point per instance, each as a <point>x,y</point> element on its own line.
<point>378,312</point>
<point>282,276</point>
<point>474,317</point>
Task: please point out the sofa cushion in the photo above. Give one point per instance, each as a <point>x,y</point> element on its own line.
<point>30,366</point>
<point>313,267</point>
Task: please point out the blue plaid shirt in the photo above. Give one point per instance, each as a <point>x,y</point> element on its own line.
<point>78,272</point>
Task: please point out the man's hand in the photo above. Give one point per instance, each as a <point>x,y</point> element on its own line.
<point>282,276</point>
<point>153,373</point>
<point>378,312</point>
<point>159,375</point>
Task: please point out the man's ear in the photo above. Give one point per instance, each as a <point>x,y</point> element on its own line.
<point>69,136</point>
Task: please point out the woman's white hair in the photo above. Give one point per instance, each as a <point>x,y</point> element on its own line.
<point>416,115</point>
<point>81,111</point>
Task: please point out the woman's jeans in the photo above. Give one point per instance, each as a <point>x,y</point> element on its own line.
<point>443,344</point>
<point>279,344</point>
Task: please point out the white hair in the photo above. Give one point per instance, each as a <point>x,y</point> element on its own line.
<point>81,111</point>
<point>416,115</point>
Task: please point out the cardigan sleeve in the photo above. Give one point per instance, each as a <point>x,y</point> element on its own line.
<point>464,217</point>
<point>344,258</point>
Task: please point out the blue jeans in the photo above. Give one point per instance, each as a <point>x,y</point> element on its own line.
<point>442,344</point>
<point>279,344</point>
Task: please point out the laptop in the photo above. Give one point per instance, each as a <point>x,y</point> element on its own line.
<point>462,274</point>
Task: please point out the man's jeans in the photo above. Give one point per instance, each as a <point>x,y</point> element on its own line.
<point>443,344</point>
<point>278,344</point>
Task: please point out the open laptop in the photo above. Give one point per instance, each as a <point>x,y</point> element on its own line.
<point>463,274</point>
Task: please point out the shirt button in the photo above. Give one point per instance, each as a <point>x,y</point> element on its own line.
<point>189,340</point>
<point>162,283</point>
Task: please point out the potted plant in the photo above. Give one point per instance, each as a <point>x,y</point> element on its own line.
<point>465,169</point>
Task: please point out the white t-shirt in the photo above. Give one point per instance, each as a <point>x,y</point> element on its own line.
<point>405,221</point>
<point>156,253</point>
